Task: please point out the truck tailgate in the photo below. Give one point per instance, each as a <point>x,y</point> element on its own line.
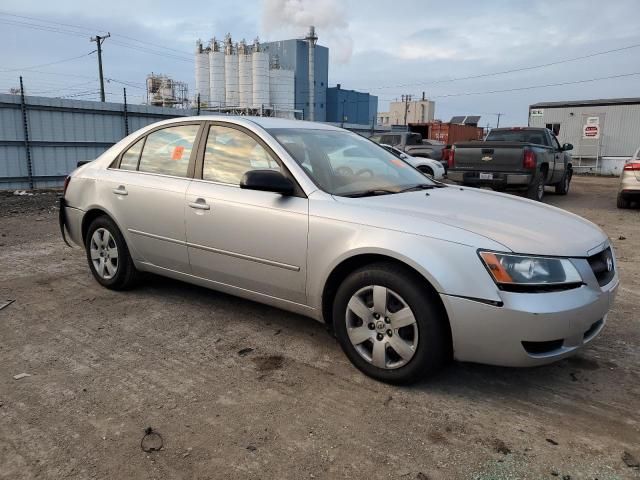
<point>489,156</point>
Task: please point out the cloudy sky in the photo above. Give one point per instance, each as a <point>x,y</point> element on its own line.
<point>387,48</point>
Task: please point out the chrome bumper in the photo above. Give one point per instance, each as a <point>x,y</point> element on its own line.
<point>499,178</point>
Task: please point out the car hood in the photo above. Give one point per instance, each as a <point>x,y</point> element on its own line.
<point>521,225</point>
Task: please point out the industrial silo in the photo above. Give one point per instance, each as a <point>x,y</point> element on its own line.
<point>202,73</point>
<point>231,73</point>
<point>216,76</point>
<point>245,76</point>
<point>260,76</point>
<point>282,90</point>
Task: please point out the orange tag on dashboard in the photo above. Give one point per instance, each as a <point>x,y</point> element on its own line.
<point>398,162</point>
<point>177,153</point>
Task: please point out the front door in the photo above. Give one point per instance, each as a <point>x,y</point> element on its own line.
<point>248,239</point>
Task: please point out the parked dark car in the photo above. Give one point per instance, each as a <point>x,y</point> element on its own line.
<point>525,159</point>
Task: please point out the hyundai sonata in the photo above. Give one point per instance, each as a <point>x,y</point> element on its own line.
<point>407,272</point>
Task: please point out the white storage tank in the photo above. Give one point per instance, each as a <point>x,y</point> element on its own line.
<point>245,76</point>
<point>231,73</point>
<point>260,76</point>
<point>282,90</point>
<point>216,76</point>
<point>202,73</point>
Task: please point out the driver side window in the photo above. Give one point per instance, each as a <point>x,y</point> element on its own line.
<point>230,153</point>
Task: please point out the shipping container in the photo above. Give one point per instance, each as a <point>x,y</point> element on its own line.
<point>447,132</point>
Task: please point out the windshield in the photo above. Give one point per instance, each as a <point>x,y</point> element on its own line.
<point>346,164</point>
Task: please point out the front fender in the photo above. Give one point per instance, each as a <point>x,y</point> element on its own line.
<point>451,268</point>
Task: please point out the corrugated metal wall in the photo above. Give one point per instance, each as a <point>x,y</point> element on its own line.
<point>61,133</point>
<point>620,124</point>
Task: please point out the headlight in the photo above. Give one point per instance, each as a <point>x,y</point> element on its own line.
<point>518,272</point>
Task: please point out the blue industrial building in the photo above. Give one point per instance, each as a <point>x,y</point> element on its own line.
<point>294,55</point>
<point>350,106</point>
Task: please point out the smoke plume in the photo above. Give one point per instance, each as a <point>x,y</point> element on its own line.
<point>293,18</point>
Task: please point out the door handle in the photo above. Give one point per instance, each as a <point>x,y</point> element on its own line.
<point>200,204</point>
<point>121,190</point>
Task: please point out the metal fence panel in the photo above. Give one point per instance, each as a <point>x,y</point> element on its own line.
<point>61,133</point>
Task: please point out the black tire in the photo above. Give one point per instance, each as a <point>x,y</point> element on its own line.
<point>125,274</point>
<point>562,188</point>
<point>426,170</point>
<point>433,338</point>
<point>623,202</point>
<point>535,191</point>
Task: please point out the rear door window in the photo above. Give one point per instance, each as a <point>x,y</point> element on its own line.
<point>168,151</point>
<point>131,157</point>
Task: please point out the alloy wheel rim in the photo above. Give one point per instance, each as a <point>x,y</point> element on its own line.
<point>104,253</point>
<point>382,327</point>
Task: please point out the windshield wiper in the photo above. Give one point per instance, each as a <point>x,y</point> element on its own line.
<point>420,186</point>
<point>370,193</point>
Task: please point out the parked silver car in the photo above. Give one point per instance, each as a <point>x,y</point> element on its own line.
<point>407,272</point>
<point>629,190</point>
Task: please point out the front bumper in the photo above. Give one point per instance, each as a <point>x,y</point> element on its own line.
<point>530,328</point>
<point>500,179</point>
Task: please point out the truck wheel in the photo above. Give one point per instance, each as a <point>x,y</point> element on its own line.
<point>389,325</point>
<point>623,202</point>
<point>562,188</point>
<point>536,189</point>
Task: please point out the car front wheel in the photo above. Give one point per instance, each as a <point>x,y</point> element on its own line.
<point>108,255</point>
<point>389,325</point>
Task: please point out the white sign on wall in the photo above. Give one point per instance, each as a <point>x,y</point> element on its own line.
<point>593,121</point>
<point>591,131</point>
<point>537,112</point>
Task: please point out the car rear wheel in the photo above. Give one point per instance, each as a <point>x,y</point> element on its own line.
<point>388,325</point>
<point>623,202</point>
<point>426,170</point>
<point>536,189</point>
<point>108,255</point>
<point>562,188</point>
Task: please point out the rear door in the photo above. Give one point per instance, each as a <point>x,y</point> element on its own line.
<point>248,239</point>
<point>146,189</point>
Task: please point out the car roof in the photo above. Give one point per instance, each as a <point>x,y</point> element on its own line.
<point>264,122</point>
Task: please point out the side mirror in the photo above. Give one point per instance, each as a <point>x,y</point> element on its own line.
<point>567,146</point>
<point>267,181</point>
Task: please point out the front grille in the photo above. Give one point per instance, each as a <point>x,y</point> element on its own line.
<point>603,266</point>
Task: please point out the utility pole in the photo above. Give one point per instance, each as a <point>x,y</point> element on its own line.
<point>407,99</point>
<point>98,39</point>
<point>498,122</point>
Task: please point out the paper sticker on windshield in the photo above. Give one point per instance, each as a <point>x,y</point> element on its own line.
<point>398,162</point>
<point>177,153</point>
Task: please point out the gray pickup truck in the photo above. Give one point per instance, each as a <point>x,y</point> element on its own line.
<point>412,144</point>
<point>526,159</point>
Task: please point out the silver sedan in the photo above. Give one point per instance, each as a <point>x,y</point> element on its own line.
<point>407,272</point>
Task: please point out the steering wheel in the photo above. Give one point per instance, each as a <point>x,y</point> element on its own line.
<point>344,171</point>
<point>365,171</point>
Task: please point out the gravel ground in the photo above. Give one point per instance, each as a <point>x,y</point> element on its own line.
<point>240,390</point>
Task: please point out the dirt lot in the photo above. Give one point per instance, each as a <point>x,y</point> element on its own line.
<point>105,365</point>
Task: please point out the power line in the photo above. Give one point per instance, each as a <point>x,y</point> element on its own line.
<point>531,87</point>
<point>48,64</point>
<point>514,70</point>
